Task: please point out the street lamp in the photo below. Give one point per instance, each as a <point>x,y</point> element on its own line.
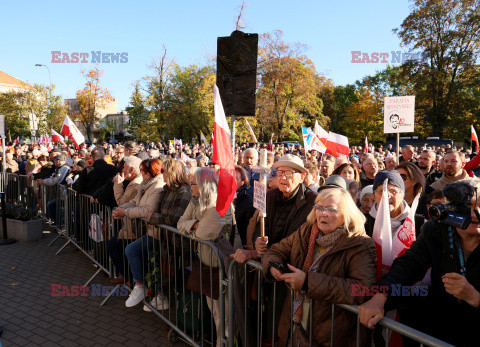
<point>49,77</point>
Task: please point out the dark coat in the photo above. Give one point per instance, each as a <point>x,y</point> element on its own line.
<point>243,210</point>
<point>93,177</point>
<point>447,318</point>
<point>351,262</point>
<point>304,202</point>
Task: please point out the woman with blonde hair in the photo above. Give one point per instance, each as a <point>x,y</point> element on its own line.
<point>202,221</point>
<point>324,261</point>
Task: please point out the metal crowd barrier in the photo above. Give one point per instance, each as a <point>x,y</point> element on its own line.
<point>391,325</point>
<point>167,261</point>
<point>251,327</point>
<point>88,226</point>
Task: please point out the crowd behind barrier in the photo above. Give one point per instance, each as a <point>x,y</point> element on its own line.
<point>228,303</point>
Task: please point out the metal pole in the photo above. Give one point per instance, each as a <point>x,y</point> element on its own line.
<point>233,134</point>
<point>398,148</point>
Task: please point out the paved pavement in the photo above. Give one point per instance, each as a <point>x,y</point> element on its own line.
<point>31,316</point>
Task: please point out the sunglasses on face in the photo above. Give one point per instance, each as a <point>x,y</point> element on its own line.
<point>404,177</point>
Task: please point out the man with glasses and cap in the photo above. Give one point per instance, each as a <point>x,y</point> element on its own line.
<point>58,177</point>
<point>288,205</point>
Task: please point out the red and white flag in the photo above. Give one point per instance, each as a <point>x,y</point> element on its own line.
<point>390,247</point>
<point>337,144</point>
<point>17,140</point>
<point>56,137</point>
<point>250,131</point>
<point>270,144</point>
<point>382,234</point>
<point>321,133</point>
<point>70,130</point>
<point>223,156</point>
<point>404,237</point>
<point>474,139</point>
<point>365,146</point>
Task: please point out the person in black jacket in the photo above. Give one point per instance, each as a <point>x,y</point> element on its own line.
<point>454,297</point>
<point>95,176</point>
<point>243,203</point>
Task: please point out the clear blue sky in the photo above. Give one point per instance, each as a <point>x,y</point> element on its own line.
<point>30,30</point>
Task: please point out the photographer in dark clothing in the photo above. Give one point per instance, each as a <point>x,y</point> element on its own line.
<point>453,254</point>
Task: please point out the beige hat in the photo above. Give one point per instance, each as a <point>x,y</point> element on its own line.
<point>292,161</point>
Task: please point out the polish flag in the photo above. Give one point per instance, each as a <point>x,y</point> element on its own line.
<point>223,156</point>
<point>250,131</point>
<point>365,146</point>
<point>337,144</point>
<point>474,139</point>
<point>382,234</point>
<point>404,237</point>
<point>321,133</point>
<point>56,137</point>
<point>70,130</point>
<point>270,144</point>
<point>17,140</point>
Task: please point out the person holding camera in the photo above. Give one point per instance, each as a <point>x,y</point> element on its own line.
<point>449,245</point>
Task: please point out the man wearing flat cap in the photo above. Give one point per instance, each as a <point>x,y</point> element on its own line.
<point>59,174</point>
<point>58,177</point>
<point>288,205</point>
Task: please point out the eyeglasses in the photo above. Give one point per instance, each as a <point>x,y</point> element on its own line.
<point>391,191</point>
<point>327,210</point>
<point>404,177</point>
<point>286,173</point>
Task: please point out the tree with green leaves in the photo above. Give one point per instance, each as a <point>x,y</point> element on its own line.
<point>190,102</point>
<point>447,35</point>
<point>287,97</point>
<point>142,122</point>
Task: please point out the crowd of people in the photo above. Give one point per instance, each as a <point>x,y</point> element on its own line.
<point>321,214</point>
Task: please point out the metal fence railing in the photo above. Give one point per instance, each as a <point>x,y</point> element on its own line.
<point>184,281</point>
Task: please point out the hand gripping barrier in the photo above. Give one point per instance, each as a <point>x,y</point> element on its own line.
<point>257,320</point>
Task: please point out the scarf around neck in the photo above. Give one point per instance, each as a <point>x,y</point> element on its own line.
<point>327,242</point>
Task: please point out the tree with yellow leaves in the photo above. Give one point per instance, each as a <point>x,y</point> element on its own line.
<point>91,98</point>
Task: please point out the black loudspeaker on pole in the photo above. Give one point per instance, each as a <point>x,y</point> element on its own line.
<point>237,73</point>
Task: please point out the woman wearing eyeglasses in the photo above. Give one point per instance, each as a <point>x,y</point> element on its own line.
<point>413,178</point>
<point>328,258</point>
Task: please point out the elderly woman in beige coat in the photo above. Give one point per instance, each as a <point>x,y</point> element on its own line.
<point>145,201</point>
<point>202,221</point>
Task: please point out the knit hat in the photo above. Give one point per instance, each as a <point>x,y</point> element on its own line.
<point>365,191</point>
<point>393,178</point>
<point>334,181</point>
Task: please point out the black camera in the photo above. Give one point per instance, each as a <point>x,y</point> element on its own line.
<point>457,212</point>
